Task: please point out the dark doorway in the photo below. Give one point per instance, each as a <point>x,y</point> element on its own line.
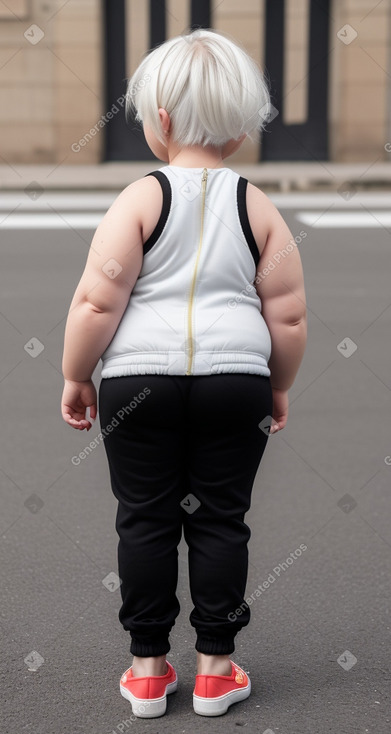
<point>124,141</point>
<point>308,140</point>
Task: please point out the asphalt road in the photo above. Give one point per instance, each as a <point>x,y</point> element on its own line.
<point>318,645</point>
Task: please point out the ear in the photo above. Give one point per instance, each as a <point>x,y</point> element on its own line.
<point>165,121</point>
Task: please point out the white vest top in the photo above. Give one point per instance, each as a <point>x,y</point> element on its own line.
<point>194,309</point>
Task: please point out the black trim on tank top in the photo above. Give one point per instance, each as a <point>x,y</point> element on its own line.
<point>167,199</point>
<point>244,220</point>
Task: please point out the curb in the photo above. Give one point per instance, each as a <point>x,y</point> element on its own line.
<point>278,176</point>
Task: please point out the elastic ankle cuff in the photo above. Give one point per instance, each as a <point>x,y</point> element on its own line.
<point>215,646</point>
<point>146,648</point>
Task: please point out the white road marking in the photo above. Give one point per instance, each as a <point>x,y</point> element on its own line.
<point>40,220</point>
<point>361,220</point>
<point>60,201</point>
<point>314,200</point>
<point>100,201</point>
<point>20,212</point>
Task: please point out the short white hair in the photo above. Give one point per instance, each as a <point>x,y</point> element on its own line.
<point>211,88</point>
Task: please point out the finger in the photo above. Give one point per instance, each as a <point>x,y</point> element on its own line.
<point>69,412</point>
<point>71,421</point>
<point>68,418</point>
<point>84,423</point>
<point>93,411</point>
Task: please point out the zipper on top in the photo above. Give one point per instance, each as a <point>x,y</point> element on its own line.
<point>192,289</point>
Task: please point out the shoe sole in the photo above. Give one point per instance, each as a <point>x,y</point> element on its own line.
<point>150,707</point>
<point>220,704</point>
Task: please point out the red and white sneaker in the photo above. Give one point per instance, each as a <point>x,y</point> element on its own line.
<point>148,694</point>
<point>213,694</point>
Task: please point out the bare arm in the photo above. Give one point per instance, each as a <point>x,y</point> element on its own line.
<point>114,262</point>
<point>280,285</point>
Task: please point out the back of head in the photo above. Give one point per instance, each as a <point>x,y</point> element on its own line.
<point>211,88</point>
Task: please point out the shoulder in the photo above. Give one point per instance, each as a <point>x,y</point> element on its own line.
<point>258,203</point>
<point>137,192</point>
<point>262,214</point>
<point>140,202</point>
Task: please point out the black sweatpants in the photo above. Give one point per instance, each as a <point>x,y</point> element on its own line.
<point>183,451</point>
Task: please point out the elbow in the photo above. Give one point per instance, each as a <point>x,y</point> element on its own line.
<point>298,320</point>
<point>285,313</point>
<point>90,307</point>
<point>292,319</point>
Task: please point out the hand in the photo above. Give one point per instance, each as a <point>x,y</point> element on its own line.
<point>76,397</point>
<point>280,409</point>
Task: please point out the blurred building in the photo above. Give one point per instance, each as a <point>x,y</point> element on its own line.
<point>64,65</point>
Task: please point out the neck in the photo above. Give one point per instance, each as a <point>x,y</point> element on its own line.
<point>195,156</point>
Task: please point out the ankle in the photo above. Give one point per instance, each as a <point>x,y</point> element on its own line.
<point>213,664</point>
<point>146,666</point>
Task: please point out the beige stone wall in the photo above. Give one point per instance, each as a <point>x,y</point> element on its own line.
<point>296,61</point>
<point>360,79</point>
<point>243,20</point>
<point>51,78</point>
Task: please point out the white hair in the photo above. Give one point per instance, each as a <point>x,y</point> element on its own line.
<point>211,88</point>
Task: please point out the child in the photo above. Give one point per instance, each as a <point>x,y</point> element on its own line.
<point>201,327</point>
